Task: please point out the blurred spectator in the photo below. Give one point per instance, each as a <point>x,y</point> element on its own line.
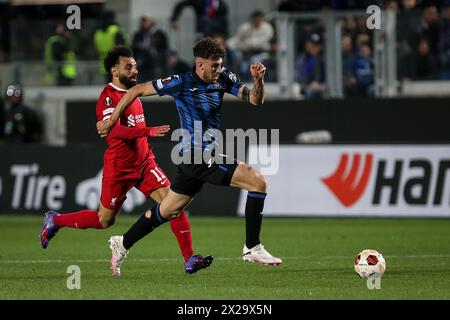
<point>22,124</point>
<point>430,28</point>
<point>347,66</point>
<point>253,40</point>
<point>2,117</point>
<point>298,5</point>
<point>391,5</point>
<point>426,65</point>
<point>362,38</point>
<point>4,32</point>
<point>311,5</point>
<point>349,26</point>
<point>310,69</point>
<point>408,21</point>
<point>407,36</point>
<point>363,70</point>
<point>106,37</point>
<point>211,16</point>
<point>303,27</point>
<point>60,61</point>
<point>176,65</point>
<point>361,25</point>
<point>232,56</point>
<point>150,48</point>
<point>445,74</point>
<point>3,41</point>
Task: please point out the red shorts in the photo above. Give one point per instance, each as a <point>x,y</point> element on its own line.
<point>116,183</point>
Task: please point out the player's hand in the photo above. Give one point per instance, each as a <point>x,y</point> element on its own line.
<point>158,131</point>
<point>103,127</point>
<point>257,70</point>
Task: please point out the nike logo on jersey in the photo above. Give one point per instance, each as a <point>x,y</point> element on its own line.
<point>193,89</point>
<point>164,181</point>
<point>184,231</point>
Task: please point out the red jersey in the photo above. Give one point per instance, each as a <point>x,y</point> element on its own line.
<point>124,153</point>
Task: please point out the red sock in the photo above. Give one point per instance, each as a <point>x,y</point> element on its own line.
<point>83,219</point>
<point>182,230</point>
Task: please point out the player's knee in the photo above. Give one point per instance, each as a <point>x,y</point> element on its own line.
<point>259,183</point>
<point>173,214</point>
<point>107,222</point>
<point>169,212</point>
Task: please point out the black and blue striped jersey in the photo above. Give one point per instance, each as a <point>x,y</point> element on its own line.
<point>199,104</point>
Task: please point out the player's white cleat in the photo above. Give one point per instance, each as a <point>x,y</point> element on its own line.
<point>260,255</point>
<point>118,254</point>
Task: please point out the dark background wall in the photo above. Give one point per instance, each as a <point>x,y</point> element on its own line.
<point>350,120</point>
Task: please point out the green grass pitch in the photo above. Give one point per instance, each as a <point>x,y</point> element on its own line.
<point>318,259</point>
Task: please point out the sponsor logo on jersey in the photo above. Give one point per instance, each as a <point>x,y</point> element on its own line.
<point>108,111</point>
<point>133,120</point>
<point>139,118</point>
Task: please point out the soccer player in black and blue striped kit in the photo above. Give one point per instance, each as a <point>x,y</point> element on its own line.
<point>198,96</point>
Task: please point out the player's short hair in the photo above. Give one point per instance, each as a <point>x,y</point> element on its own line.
<point>208,48</point>
<point>112,57</point>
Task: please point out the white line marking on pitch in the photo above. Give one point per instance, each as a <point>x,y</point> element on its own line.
<point>220,258</point>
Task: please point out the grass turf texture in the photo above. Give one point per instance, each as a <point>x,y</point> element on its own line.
<point>318,261</point>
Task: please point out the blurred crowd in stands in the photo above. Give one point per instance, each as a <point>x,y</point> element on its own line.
<point>19,123</point>
<point>423,44</point>
<point>423,41</point>
<point>37,34</point>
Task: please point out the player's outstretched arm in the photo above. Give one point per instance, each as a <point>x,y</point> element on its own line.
<point>126,133</point>
<point>255,95</point>
<point>144,89</point>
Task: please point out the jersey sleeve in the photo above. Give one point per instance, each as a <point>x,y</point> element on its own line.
<point>169,86</point>
<point>125,133</point>
<point>232,82</point>
<point>105,105</point>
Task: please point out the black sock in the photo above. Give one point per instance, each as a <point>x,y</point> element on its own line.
<point>142,227</point>
<point>253,218</point>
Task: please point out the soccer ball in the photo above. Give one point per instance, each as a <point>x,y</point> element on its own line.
<point>369,263</point>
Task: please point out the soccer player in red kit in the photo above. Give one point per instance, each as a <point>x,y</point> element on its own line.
<point>128,162</point>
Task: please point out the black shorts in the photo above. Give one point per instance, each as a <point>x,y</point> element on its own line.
<point>191,177</point>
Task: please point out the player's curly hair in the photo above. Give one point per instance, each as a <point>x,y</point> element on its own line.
<point>112,57</point>
<point>208,48</point>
